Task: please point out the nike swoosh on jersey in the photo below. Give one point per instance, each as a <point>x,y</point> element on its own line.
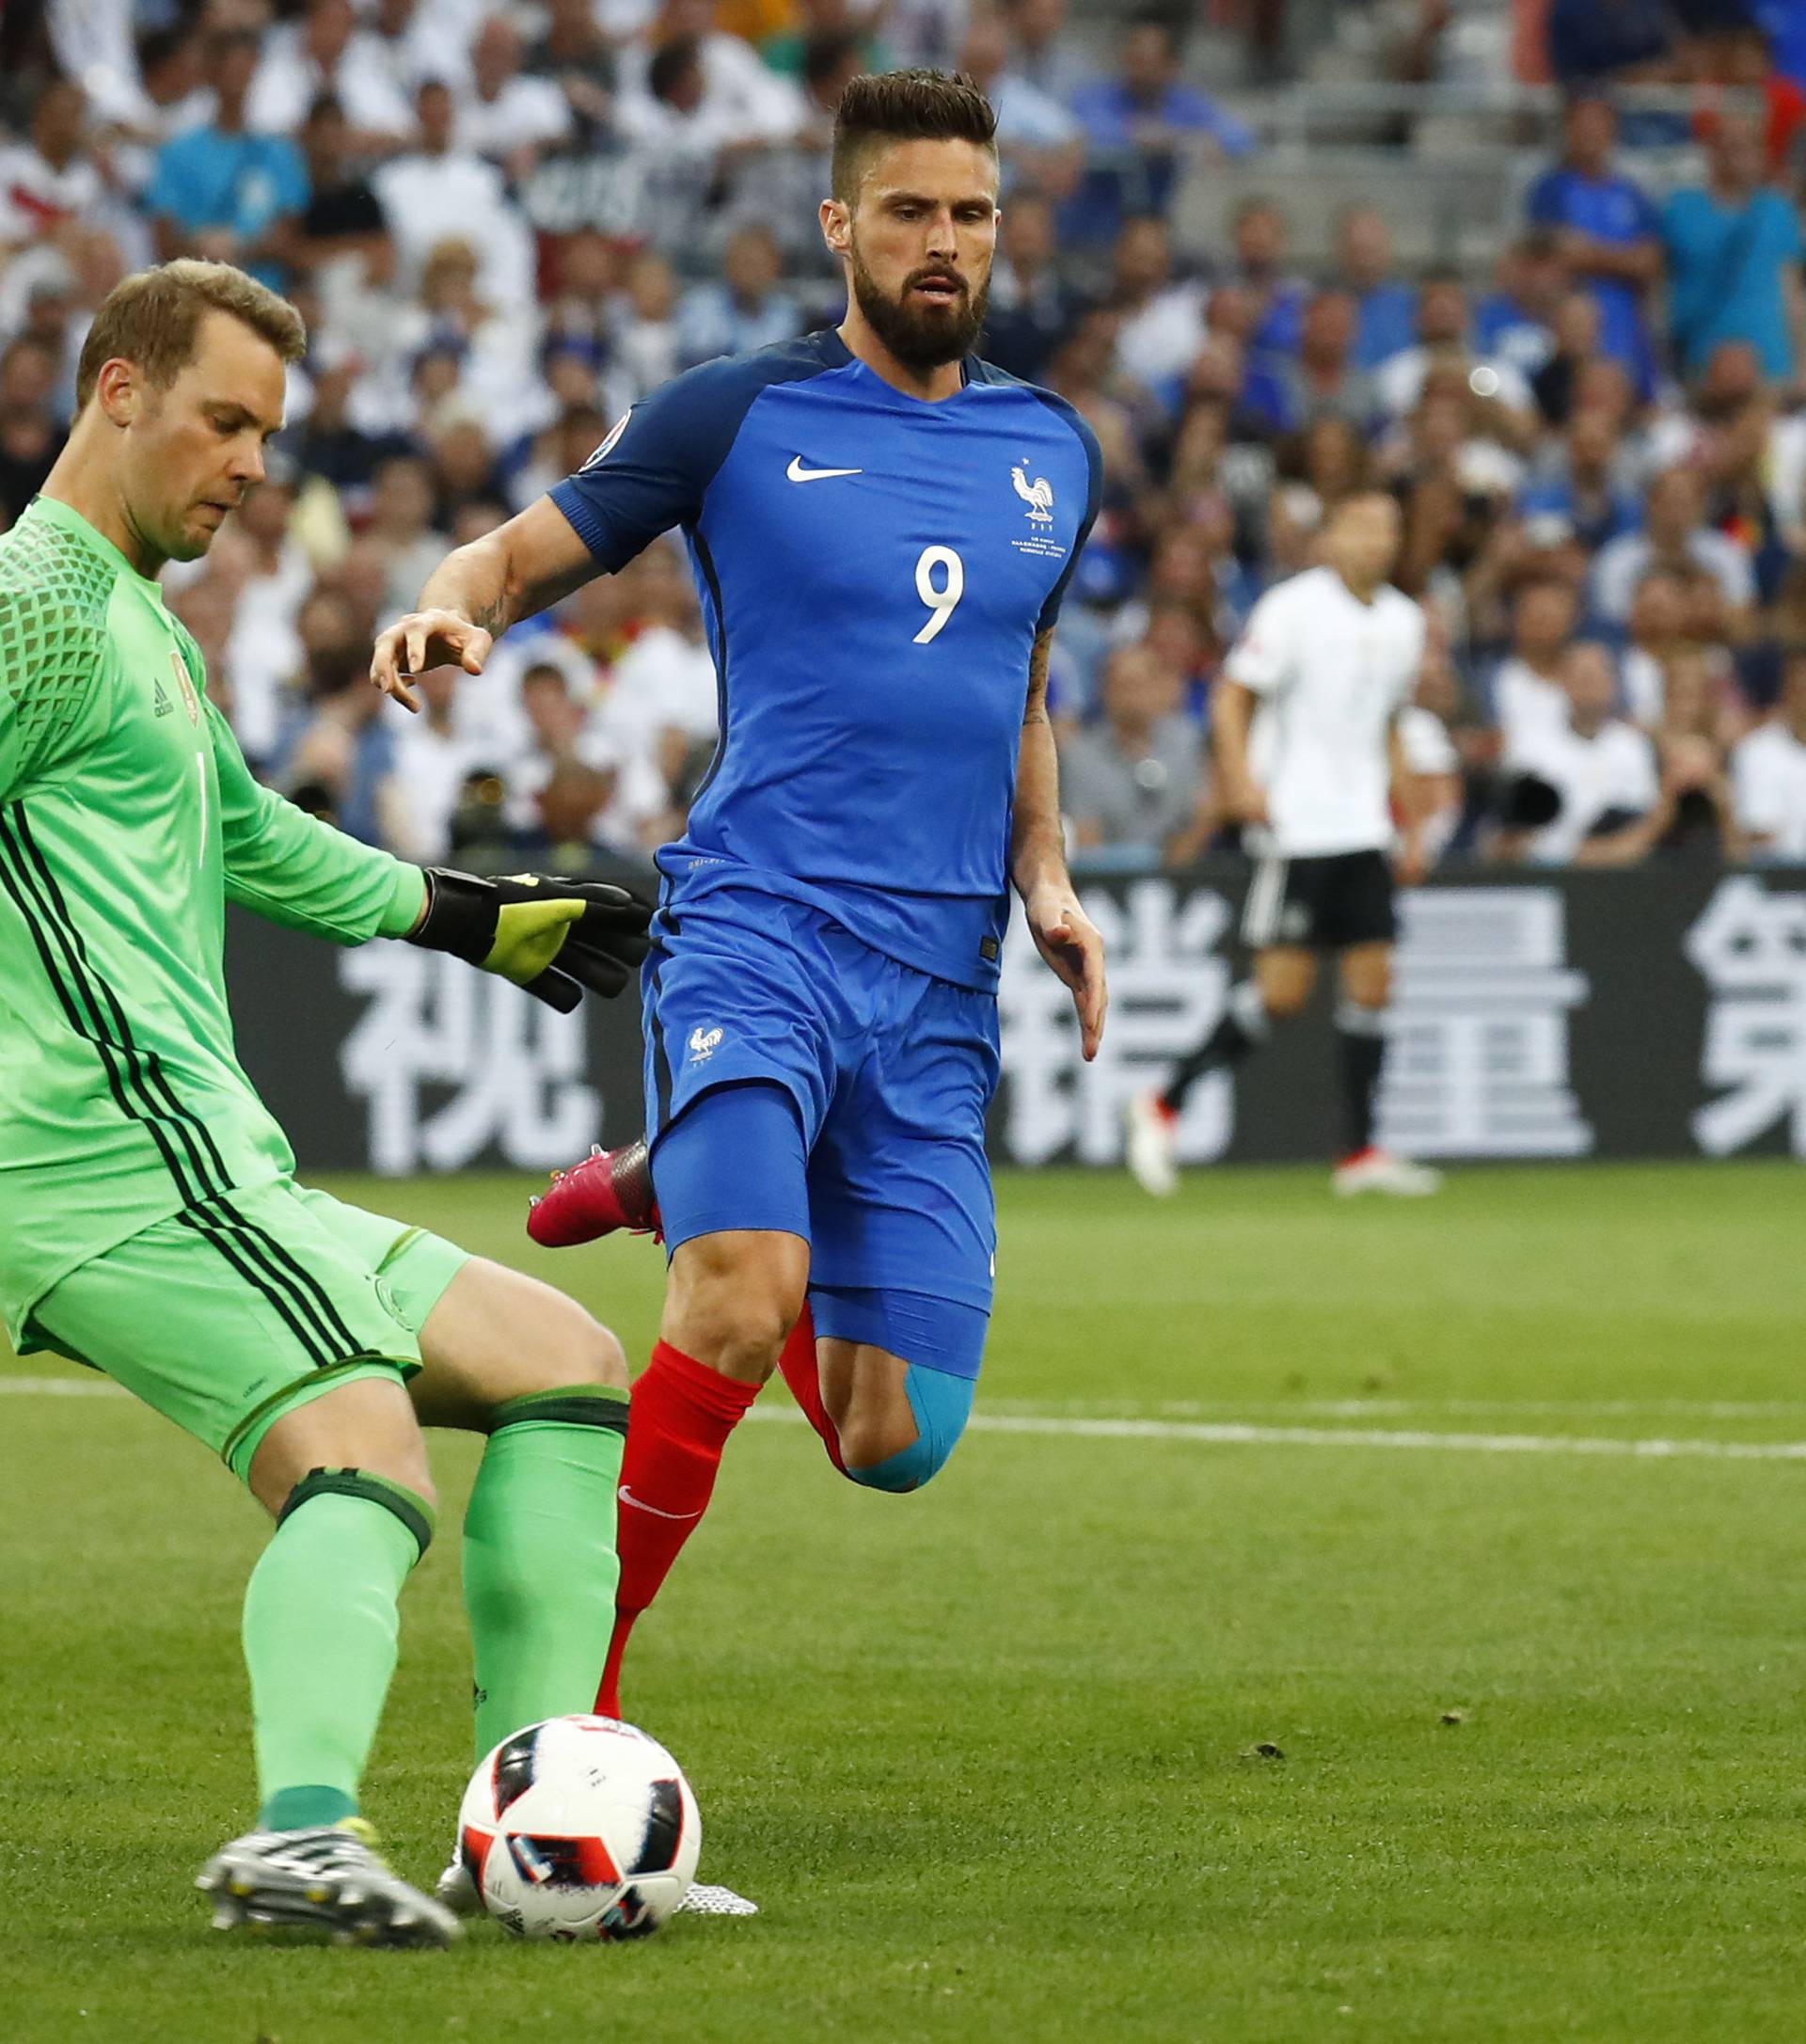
<point>627,1497</point>
<point>797,474</point>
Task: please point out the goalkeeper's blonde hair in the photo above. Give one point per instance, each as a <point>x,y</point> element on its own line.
<point>152,319</point>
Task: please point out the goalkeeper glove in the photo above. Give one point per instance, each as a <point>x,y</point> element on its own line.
<point>552,936</point>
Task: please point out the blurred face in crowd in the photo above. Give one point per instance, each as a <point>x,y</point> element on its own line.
<point>917,239</point>
<point>185,455</point>
<point>1328,330</point>
<point>57,126</point>
<point>1687,692</point>
<point>1038,22</point>
<point>1736,154</point>
<point>230,65</point>
<point>1532,271</point>
<point>652,290</point>
<point>1143,257</point>
<point>264,514</point>
<point>750,264</point>
<point>1591,444</point>
<point>1147,62</point>
<point>324,139</point>
<point>331,641</point>
<point>1591,685</point>
<point>495,55</point>
<point>1028,230</point>
<point>328,30</point>
<point>546,697</point>
<point>1361,540</point>
<point>1259,240</point>
<point>1139,689</point>
<point>401,501</point>
<point>1543,620</point>
<point>1657,612</point>
<point>1605,385</point>
<point>1442,313</point>
<point>1673,508</point>
<point>1364,246</point>
<point>433,103</point>
<point>27,376</point>
<point>1175,638</point>
<point>985,51</point>
<point>1334,457</point>
<point>1589,132</point>
<point>1199,446</point>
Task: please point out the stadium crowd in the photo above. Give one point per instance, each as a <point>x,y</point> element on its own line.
<point>504,226</point>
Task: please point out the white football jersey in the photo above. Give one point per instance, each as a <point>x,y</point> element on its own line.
<point>1331,673</point>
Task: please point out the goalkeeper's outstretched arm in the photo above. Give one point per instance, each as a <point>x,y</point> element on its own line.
<point>477,592</point>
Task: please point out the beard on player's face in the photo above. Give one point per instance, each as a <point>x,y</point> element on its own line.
<point>920,332</point>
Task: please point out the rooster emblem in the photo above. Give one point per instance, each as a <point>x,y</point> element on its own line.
<point>1038,495</point>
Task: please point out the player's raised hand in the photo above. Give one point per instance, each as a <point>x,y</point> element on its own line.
<point>1067,939</point>
<point>422,640</point>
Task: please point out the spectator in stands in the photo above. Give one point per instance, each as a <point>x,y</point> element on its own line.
<point>1613,808</point>
<point>434,764</point>
<point>1734,253</point>
<point>327,54</point>
<point>1443,340</point>
<point>647,345</point>
<point>342,225</point>
<point>1674,536</point>
<point>271,578</point>
<point>1037,138</point>
<point>414,42</point>
<point>30,434</point>
<point>1768,772</point>
<point>440,188</point>
<point>1320,380</point>
<point>1031,306</point>
<point>1159,320</point>
<point>1582,485</point>
<point>1131,781</point>
<point>1610,234</point>
<point>336,755</point>
<point>401,529</point>
<point>577,56</point>
<point>1514,321</point>
<point>1656,636</point>
<point>738,99</point>
<point>1259,237</point>
<point>223,190</point>
<point>1574,352</point>
<point>1142,125</point>
<point>786,52</point>
<point>1043,51</point>
<point>51,180</point>
<point>1525,690</point>
<point>749,309</point>
<point>509,117</point>
<point>1387,309</point>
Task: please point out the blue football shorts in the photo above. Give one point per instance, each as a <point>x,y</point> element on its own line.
<point>881,1165</point>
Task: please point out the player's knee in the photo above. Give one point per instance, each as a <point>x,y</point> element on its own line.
<point>576,1350</point>
<point>734,1299</point>
<point>414,1505</point>
<point>886,1454</point>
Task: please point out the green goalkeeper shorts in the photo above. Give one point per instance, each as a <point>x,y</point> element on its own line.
<point>240,1308</point>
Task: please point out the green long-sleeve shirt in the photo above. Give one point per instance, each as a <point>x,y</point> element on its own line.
<point>128,819</point>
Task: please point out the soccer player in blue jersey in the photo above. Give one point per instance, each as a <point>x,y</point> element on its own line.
<point>881,527</point>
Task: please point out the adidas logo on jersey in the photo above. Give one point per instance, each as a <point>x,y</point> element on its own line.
<point>164,705</point>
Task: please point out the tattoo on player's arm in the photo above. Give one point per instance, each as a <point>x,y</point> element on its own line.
<point>1035,710</point>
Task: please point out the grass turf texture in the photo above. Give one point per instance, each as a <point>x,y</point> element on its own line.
<point>985,1754</point>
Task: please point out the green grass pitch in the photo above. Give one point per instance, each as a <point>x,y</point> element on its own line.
<point>989,1756</point>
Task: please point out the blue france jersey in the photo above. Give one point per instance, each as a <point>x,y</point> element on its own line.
<point>872,571</point>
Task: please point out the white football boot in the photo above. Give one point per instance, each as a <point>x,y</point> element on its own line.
<point>458,1892</point>
<point>1377,1170</point>
<point>1148,1127</point>
<point>329,1877</point>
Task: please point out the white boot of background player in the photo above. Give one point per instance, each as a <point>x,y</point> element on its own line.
<point>457,1891</point>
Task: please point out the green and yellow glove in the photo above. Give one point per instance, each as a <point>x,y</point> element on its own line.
<point>552,936</point>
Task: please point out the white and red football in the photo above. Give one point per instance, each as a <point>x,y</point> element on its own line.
<point>579,1829</point>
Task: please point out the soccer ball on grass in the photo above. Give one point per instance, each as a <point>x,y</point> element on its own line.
<point>579,1829</point>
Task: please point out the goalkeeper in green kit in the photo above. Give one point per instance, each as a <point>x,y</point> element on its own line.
<point>150,1222</point>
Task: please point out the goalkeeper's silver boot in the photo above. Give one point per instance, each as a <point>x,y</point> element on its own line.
<point>457,1890</point>
<point>329,1877</point>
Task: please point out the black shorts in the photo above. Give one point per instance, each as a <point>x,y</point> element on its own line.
<point>1327,904</point>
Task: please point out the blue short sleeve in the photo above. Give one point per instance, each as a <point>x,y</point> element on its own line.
<point>1544,206</point>
<point>1094,498</point>
<point>655,468</point>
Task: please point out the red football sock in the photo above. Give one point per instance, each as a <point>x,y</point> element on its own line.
<point>681,1414</point>
<point>800,1373</point>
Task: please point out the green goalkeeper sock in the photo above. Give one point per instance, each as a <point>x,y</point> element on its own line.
<point>539,1566</point>
<point>320,1621</point>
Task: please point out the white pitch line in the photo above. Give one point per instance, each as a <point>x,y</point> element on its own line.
<point>1230,1433</point>
<point>1224,1433</point>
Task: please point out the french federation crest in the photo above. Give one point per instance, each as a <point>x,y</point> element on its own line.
<point>1037,494</point>
<point>704,1043</point>
<point>190,700</point>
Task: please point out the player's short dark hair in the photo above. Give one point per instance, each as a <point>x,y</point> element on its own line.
<point>906,107</point>
<point>152,318</point>
<point>671,62</point>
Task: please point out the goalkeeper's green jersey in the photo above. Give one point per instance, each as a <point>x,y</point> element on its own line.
<point>128,819</point>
